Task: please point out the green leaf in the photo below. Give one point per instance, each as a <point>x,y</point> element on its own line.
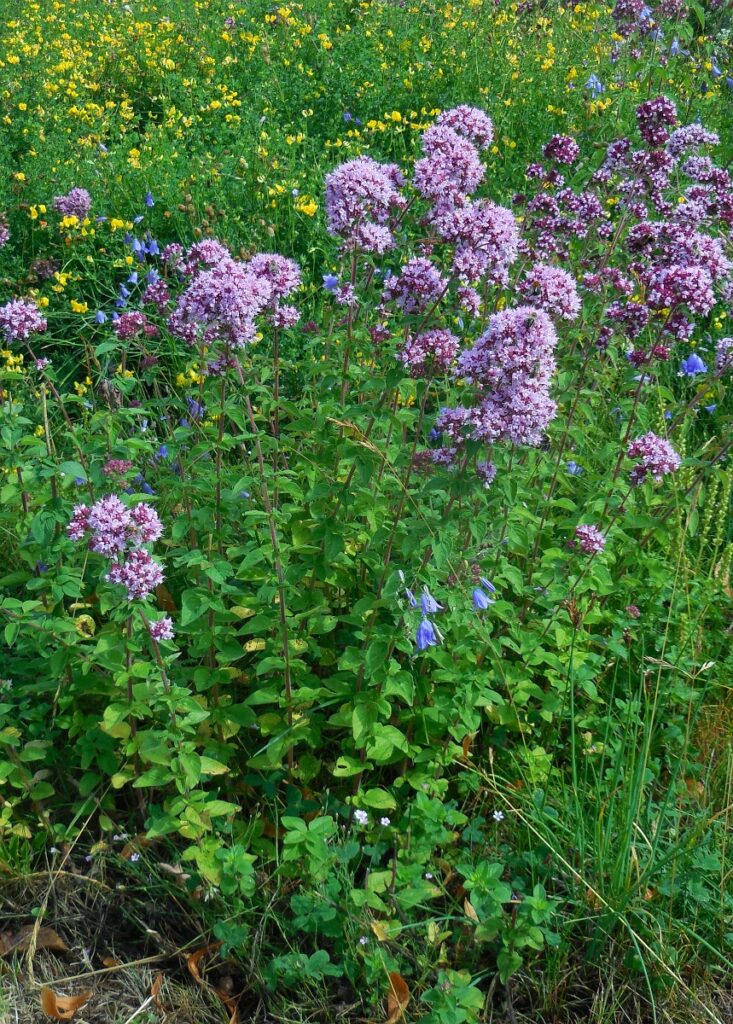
<point>379,799</point>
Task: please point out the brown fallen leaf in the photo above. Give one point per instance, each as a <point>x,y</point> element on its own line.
<point>111,961</point>
<point>155,992</point>
<point>397,998</point>
<point>62,1007</point>
<point>20,942</point>
<point>193,961</point>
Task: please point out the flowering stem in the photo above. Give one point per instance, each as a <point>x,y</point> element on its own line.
<point>69,424</point>
<point>219,446</point>
<point>279,572</point>
<point>47,434</point>
<point>349,334</point>
<point>23,492</point>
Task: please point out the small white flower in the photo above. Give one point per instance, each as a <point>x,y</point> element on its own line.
<point>361,817</point>
<point>134,857</point>
<point>498,815</point>
<point>384,821</point>
<point>363,940</point>
<point>429,876</point>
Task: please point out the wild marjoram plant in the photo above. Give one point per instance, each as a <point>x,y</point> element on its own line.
<point>382,668</point>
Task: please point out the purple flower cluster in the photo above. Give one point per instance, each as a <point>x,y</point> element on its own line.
<point>120,532</point>
<point>657,458</point>
<point>724,355</point>
<point>117,467</point>
<point>510,368</point>
<point>418,284</point>
<point>139,573</point>
<point>225,296</point>
<point>129,325</point>
<point>19,319</point>
<point>471,122</point>
<point>361,196</point>
<point>430,353</point>
<point>552,289</point>
<point>655,117</point>
<point>451,165</point>
<point>590,539</point>
<point>562,148</point>
<point>4,234</point>
<point>76,203</point>
<point>162,629</point>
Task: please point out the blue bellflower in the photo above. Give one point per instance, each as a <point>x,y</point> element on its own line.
<point>330,282</point>
<point>481,600</point>
<point>693,365</point>
<point>428,603</point>
<point>425,636</point>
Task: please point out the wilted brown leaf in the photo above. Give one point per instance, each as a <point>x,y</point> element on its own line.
<point>62,1007</point>
<point>193,960</point>
<point>397,998</point>
<point>111,961</point>
<point>20,942</point>
<point>222,991</point>
<point>155,991</point>
<point>466,745</point>
<point>469,910</point>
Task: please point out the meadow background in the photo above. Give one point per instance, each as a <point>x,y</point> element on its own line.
<point>520,812</point>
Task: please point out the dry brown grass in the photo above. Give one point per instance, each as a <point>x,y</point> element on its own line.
<point>117,947</point>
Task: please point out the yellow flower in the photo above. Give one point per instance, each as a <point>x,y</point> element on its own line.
<point>306,205</point>
<point>79,307</point>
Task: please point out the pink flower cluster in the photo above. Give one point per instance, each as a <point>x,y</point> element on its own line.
<point>19,319</point>
<point>430,353</point>
<point>552,289</point>
<point>417,285</point>
<point>4,234</point>
<point>76,203</point>
<point>590,539</point>
<point>654,118</point>
<point>128,325</point>
<point>562,148</point>
<point>361,196</point>
<point>225,296</point>
<point>657,458</point>
<point>162,629</point>
<point>117,467</point>
<point>724,355</point>
<point>120,532</point>
<point>510,367</point>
